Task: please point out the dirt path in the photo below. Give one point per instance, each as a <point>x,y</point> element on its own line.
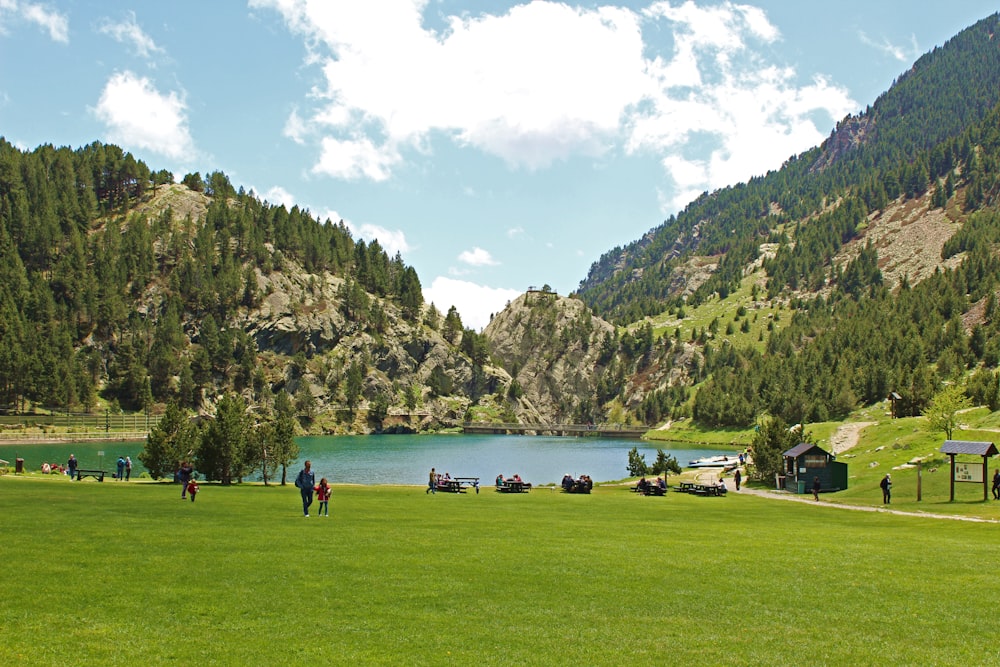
<point>784,495</point>
<point>847,435</point>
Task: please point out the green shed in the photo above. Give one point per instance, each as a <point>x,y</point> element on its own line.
<point>806,461</point>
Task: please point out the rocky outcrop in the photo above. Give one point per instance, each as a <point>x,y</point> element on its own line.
<point>551,345</point>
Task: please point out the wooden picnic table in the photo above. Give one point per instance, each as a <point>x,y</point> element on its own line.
<point>701,489</point>
<point>512,486</point>
<point>458,484</point>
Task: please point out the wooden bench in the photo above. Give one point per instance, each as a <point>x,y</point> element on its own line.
<point>98,474</point>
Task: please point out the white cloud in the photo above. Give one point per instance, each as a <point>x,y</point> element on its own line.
<point>477,257</point>
<point>355,158</point>
<point>900,53</point>
<point>56,24</point>
<point>543,100</point>
<point>475,303</point>
<point>129,32</point>
<point>279,196</point>
<point>515,232</point>
<point>721,101</point>
<point>392,241</point>
<point>137,115</point>
<point>545,81</point>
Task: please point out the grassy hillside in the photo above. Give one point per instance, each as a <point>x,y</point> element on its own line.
<point>120,573</point>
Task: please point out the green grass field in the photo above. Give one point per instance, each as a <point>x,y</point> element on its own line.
<point>124,573</point>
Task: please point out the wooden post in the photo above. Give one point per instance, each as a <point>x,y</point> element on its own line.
<point>985,472</point>
<point>952,457</point>
<point>920,467</point>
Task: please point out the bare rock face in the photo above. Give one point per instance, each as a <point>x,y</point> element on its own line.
<point>552,347</point>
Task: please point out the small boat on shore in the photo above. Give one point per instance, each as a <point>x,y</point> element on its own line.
<point>725,462</point>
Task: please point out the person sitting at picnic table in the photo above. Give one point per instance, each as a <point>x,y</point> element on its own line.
<point>500,480</point>
<point>517,478</point>
<point>722,486</point>
<point>662,483</point>
<point>642,486</point>
<point>567,482</point>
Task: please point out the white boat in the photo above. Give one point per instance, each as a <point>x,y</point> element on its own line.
<point>715,462</point>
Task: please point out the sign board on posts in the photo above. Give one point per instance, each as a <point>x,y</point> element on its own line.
<point>969,472</point>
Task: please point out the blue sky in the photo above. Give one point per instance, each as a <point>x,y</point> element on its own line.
<point>495,145</point>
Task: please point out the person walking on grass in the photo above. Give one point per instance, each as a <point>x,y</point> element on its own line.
<point>817,485</point>
<point>323,496</point>
<point>184,474</point>
<point>432,482</point>
<point>306,481</point>
<point>996,484</point>
<point>886,485</point>
<point>192,488</point>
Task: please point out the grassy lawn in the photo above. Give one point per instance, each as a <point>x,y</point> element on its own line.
<point>120,573</point>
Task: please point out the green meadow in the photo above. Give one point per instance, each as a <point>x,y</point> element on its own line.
<point>121,573</point>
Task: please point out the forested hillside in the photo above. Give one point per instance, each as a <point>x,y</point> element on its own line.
<point>122,290</point>
<point>864,266</point>
<point>925,133</point>
<point>811,238</point>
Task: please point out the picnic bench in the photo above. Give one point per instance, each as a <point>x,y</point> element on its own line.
<point>650,489</point>
<point>97,474</point>
<point>512,486</point>
<point>458,484</point>
<point>701,489</point>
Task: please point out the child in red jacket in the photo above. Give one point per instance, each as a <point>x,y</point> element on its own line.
<point>192,489</point>
<point>323,495</point>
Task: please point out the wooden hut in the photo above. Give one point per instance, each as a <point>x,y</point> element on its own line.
<point>806,461</point>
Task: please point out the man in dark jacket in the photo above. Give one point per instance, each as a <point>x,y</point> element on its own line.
<point>886,485</point>
<point>306,481</point>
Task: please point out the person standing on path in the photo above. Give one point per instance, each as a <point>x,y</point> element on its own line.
<point>121,468</point>
<point>72,464</point>
<point>128,468</point>
<point>738,476</point>
<point>886,485</point>
<point>817,485</point>
<point>306,481</point>
<point>432,482</point>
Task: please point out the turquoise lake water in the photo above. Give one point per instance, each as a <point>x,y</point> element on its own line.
<point>406,459</point>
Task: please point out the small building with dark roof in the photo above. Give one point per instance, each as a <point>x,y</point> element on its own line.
<point>806,461</point>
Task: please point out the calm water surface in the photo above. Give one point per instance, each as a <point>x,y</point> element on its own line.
<point>406,459</point>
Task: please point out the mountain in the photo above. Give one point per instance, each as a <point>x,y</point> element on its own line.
<point>123,290</point>
<point>863,266</point>
<point>920,131</point>
<point>866,265</point>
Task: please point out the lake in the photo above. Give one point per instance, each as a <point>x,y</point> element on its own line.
<point>406,459</point>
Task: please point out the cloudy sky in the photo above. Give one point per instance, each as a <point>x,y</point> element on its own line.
<point>496,145</point>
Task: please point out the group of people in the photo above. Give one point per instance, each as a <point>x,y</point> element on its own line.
<point>125,468</point>
<point>583,484</point>
<point>645,487</point>
<point>501,480</point>
<point>305,481</point>
<point>436,479</point>
<point>185,475</point>
<point>53,468</point>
